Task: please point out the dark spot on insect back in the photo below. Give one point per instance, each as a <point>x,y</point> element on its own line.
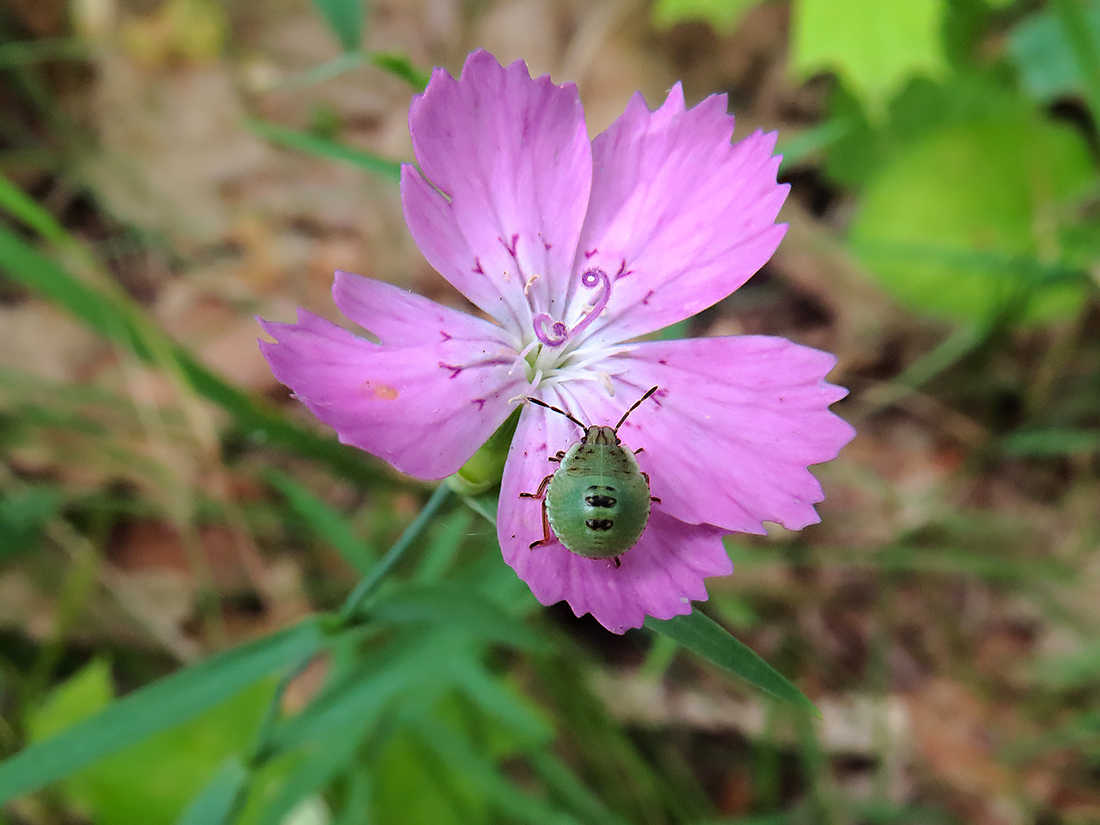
<point>600,501</point>
<point>600,525</point>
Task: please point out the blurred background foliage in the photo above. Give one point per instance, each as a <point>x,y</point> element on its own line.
<point>172,527</point>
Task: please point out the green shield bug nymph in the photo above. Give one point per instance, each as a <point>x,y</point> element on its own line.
<point>597,501</point>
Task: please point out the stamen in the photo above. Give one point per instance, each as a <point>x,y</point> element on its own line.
<point>521,358</point>
<point>531,280</point>
<point>559,330</point>
<point>604,378</point>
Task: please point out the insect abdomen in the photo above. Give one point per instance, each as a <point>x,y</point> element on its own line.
<point>598,502</point>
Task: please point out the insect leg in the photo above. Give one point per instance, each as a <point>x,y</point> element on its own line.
<point>618,563</point>
<point>557,457</point>
<point>545,529</point>
<point>539,492</point>
<point>651,498</point>
<point>638,450</point>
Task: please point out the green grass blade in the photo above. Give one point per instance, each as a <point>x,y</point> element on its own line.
<point>324,522</point>
<point>454,608</point>
<point>400,66</point>
<point>124,325</point>
<point>216,804</point>
<point>707,638</point>
<point>475,770</point>
<point>26,210</point>
<point>345,18</point>
<point>324,148</point>
<point>161,705</point>
<point>1052,442</point>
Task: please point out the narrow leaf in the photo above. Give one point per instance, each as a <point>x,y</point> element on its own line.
<point>400,66</point>
<point>1053,442</point>
<point>454,608</point>
<point>323,521</point>
<point>154,708</point>
<point>704,636</point>
<point>345,18</point>
<point>123,325</point>
<point>322,147</point>
<point>217,802</point>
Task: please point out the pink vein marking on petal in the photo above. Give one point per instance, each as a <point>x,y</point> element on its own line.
<point>393,402</point>
<point>691,214</point>
<point>513,156</point>
<point>740,419</point>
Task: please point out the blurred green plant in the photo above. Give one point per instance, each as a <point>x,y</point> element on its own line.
<point>437,693</point>
<point>722,15</point>
<point>873,46</point>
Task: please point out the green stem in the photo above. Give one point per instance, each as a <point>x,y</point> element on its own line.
<point>1076,26</point>
<point>263,750</point>
<point>369,583</point>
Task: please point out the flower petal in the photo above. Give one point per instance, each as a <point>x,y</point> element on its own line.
<point>678,217</point>
<point>659,576</point>
<point>425,409</point>
<point>507,168</point>
<point>402,318</point>
<point>732,429</point>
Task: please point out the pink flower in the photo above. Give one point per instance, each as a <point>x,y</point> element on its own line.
<point>575,248</point>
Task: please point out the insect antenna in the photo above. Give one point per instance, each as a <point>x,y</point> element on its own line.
<point>635,406</point>
<point>580,424</point>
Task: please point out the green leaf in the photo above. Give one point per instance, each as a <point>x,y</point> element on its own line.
<point>358,696</point>
<point>704,636</point>
<point>345,17</point>
<point>123,323</point>
<point>324,148</point>
<point>23,516</point>
<point>954,224</point>
<point>476,771</point>
<point>152,780</point>
<point>1044,56</point>
<point>722,15</point>
<point>217,802</point>
<point>83,694</point>
<point>154,708</point>
<point>873,45</point>
<point>323,521</point>
<point>455,608</point>
<point>25,210</point>
<point>400,66</point>
<point>1053,442</point>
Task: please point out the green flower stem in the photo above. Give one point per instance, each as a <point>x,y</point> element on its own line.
<point>369,583</point>
<point>264,750</point>
<point>1074,22</point>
